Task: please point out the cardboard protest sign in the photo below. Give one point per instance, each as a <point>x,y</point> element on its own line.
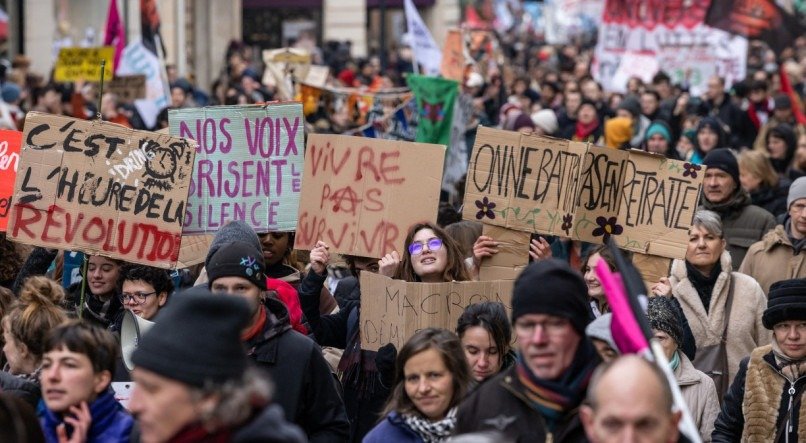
<point>193,250</point>
<point>101,188</point>
<point>9,161</point>
<point>537,184</point>
<point>128,88</point>
<point>283,65</point>
<point>523,182</point>
<point>360,195</point>
<point>317,76</point>
<point>651,267</point>
<point>84,64</point>
<point>634,39</point>
<point>248,165</point>
<point>394,310</point>
<point>453,56</point>
<point>512,256</point>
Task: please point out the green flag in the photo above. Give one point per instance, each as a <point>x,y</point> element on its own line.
<point>435,98</point>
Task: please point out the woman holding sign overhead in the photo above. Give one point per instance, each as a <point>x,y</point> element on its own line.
<point>431,255</point>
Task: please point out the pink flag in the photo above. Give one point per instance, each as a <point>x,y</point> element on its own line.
<point>625,328</point>
<point>115,34</point>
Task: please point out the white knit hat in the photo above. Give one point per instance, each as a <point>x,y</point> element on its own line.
<point>546,119</point>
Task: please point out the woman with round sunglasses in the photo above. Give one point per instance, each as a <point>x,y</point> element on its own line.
<point>430,256</point>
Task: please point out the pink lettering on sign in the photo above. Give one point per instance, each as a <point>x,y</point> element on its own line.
<point>361,195</point>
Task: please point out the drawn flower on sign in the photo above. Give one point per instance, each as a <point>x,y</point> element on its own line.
<point>607,227</point>
<point>485,209</point>
<point>567,222</point>
<point>691,170</point>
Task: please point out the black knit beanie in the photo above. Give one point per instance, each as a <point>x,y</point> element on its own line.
<point>724,159</point>
<point>237,259</point>
<point>662,316</point>
<point>552,287</point>
<point>786,301</point>
<point>197,339</point>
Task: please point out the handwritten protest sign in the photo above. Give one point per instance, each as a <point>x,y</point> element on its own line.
<point>393,310</point>
<point>453,56</point>
<point>9,161</point>
<point>84,64</point>
<point>248,165</point>
<point>128,88</point>
<point>522,182</point>
<point>662,36</point>
<point>101,188</point>
<point>537,184</point>
<point>360,195</point>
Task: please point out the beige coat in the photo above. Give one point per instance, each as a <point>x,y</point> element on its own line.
<point>700,395</point>
<point>745,332</point>
<point>772,259</point>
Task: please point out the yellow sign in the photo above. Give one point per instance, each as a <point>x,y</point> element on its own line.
<point>84,64</point>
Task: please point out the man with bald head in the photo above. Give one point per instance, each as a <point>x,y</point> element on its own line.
<point>629,400</point>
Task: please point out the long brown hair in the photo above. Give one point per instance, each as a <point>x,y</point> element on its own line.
<point>455,268</point>
<point>449,347</point>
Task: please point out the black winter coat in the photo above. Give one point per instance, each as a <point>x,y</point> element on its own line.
<point>304,386</point>
<point>733,419</point>
<point>772,199</point>
<point>499,405</point>
<point>364,399</point>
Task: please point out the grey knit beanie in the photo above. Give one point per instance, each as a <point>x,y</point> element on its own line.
<point>233,231</point>
<point>797,190</point>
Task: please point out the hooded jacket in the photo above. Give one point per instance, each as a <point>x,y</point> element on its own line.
<point>304,386</point>
<point>745,331</point>
<point>716,126</point>
<point>742,223</point>
<point>110,422</point>
<point>773,259</point>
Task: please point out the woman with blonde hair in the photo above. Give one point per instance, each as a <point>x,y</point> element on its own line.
<point>766,187</point>
<point>25,327</point>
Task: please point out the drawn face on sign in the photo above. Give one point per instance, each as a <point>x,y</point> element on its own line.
<point>429,264</point>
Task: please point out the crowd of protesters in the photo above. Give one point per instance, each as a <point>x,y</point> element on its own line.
<point>260,343</point>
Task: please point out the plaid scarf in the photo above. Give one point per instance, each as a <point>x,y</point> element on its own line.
<point>554,398</point>
<point>431,431</point>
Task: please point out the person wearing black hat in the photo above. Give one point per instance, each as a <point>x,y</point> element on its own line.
<point>194,381</point>
<point>764,402</point>
<point>537,399</point>
<point>698,390</point>
<point>743,223</point>
<point>305,388</point>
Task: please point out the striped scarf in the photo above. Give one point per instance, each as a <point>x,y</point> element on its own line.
<point>554,398</point>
